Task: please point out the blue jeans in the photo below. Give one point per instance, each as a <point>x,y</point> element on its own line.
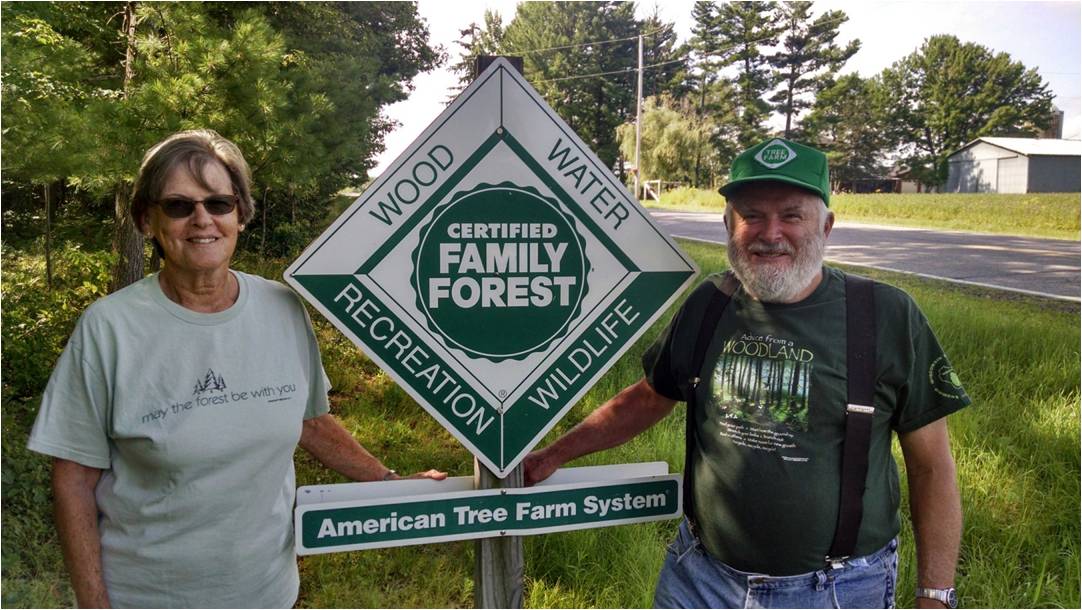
<point>691,578</point>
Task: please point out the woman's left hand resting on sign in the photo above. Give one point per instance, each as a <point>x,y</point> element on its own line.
<point>331,444</point>
<point>435,475</point>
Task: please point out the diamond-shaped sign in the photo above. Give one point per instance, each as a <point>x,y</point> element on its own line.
<point>496,270</point>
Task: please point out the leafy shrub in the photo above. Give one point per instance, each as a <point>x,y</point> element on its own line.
<point>37,320</point>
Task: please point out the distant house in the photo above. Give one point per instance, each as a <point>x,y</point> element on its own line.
<point>907,183</point>
<point>899,180</point>
<point>867,185</point>
<point>1016,165</point>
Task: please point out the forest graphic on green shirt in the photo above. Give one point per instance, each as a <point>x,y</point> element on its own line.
<point>763,380</point>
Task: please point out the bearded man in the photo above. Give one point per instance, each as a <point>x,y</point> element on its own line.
<point>796,375</point>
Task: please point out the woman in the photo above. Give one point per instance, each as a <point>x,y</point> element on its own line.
<point>174,411</point>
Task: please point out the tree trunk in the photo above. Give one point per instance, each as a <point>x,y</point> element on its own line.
<point>127,241</point>
<point>48,191</point>
<point>699,131</point>
<point>263,237</point>
<point>790,83</point>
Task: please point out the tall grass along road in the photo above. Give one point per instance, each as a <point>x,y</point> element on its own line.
<point>1051,215</point>
<point>1045,267</point>
<point>1017,450</point>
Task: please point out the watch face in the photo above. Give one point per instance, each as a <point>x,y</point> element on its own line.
<point>952,598</point>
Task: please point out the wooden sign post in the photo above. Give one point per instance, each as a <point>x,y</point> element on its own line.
<point>497,575</point>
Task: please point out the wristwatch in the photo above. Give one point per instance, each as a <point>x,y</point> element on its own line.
<point>948,596</point>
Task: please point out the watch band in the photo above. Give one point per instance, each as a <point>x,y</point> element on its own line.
<point>948,596</point>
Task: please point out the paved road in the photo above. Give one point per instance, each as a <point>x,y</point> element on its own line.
<point>1047,267</point>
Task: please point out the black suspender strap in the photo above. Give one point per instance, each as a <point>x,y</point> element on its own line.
<point>860,376</point>
<point>714,309</point>
<point>860,379</point>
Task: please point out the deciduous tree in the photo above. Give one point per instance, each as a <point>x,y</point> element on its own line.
<point>949,92</point>
<point>298,86</point>
<point>674,136</point>
<point>847,121</point>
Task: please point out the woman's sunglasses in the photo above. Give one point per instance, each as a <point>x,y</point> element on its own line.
<point>182,207</point>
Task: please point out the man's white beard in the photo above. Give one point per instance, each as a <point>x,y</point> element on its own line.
<point>777,283</point>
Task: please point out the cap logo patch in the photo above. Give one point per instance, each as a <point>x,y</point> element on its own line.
<point>775,154</point>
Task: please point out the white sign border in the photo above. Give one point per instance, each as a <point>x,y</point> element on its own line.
<point>495,532</point>
<point>499,69</point>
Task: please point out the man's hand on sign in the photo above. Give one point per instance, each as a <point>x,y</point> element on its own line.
<point>617,421</point>
<point>536,467</point>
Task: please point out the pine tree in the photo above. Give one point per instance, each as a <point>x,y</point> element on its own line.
<point>667,62</point>
<point>744,28</point>
<point>809,57</point>
<point>581,58</point>
<point>476,40</point>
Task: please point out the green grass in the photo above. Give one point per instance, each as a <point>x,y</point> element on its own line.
<point>1053,215</point>
<point>1017,450</point>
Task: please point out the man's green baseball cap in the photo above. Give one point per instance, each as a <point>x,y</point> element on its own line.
<point>781,161</point>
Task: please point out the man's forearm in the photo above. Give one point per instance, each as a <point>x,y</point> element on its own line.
<point>935,505</point>
<point>76,513</point>
<point>620,419</point>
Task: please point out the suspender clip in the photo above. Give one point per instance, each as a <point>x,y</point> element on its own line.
<point>836,563</point>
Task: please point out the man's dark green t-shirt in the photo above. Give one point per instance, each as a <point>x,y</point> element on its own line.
<point>771,420</point>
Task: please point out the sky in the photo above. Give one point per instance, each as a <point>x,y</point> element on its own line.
<point>1042,35</point>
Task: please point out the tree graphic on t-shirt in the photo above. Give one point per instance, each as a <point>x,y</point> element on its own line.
<point>210,383</point>
<point>762,390</point>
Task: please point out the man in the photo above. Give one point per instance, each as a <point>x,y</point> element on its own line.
<point>769,416</point>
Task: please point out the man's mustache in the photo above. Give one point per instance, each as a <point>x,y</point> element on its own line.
<point>770,248</point>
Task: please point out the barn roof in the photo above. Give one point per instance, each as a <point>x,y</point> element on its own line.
<point>1032,146</point>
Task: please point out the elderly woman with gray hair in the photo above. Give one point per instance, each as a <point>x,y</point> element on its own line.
<point>175,409</point>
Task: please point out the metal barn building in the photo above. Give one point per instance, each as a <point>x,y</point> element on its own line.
<point>1016,165</point>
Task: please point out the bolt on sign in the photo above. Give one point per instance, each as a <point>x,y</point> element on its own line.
<point>496,270</point>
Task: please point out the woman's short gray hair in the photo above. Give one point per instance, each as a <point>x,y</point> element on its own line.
<point>192,150</point>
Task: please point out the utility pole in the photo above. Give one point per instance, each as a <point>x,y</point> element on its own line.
<point>638,124</point>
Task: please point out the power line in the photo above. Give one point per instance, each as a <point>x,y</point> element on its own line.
<point>582,44</point>
<point>596,42</point>
<point>628,69</point>
<point>684,58</point>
